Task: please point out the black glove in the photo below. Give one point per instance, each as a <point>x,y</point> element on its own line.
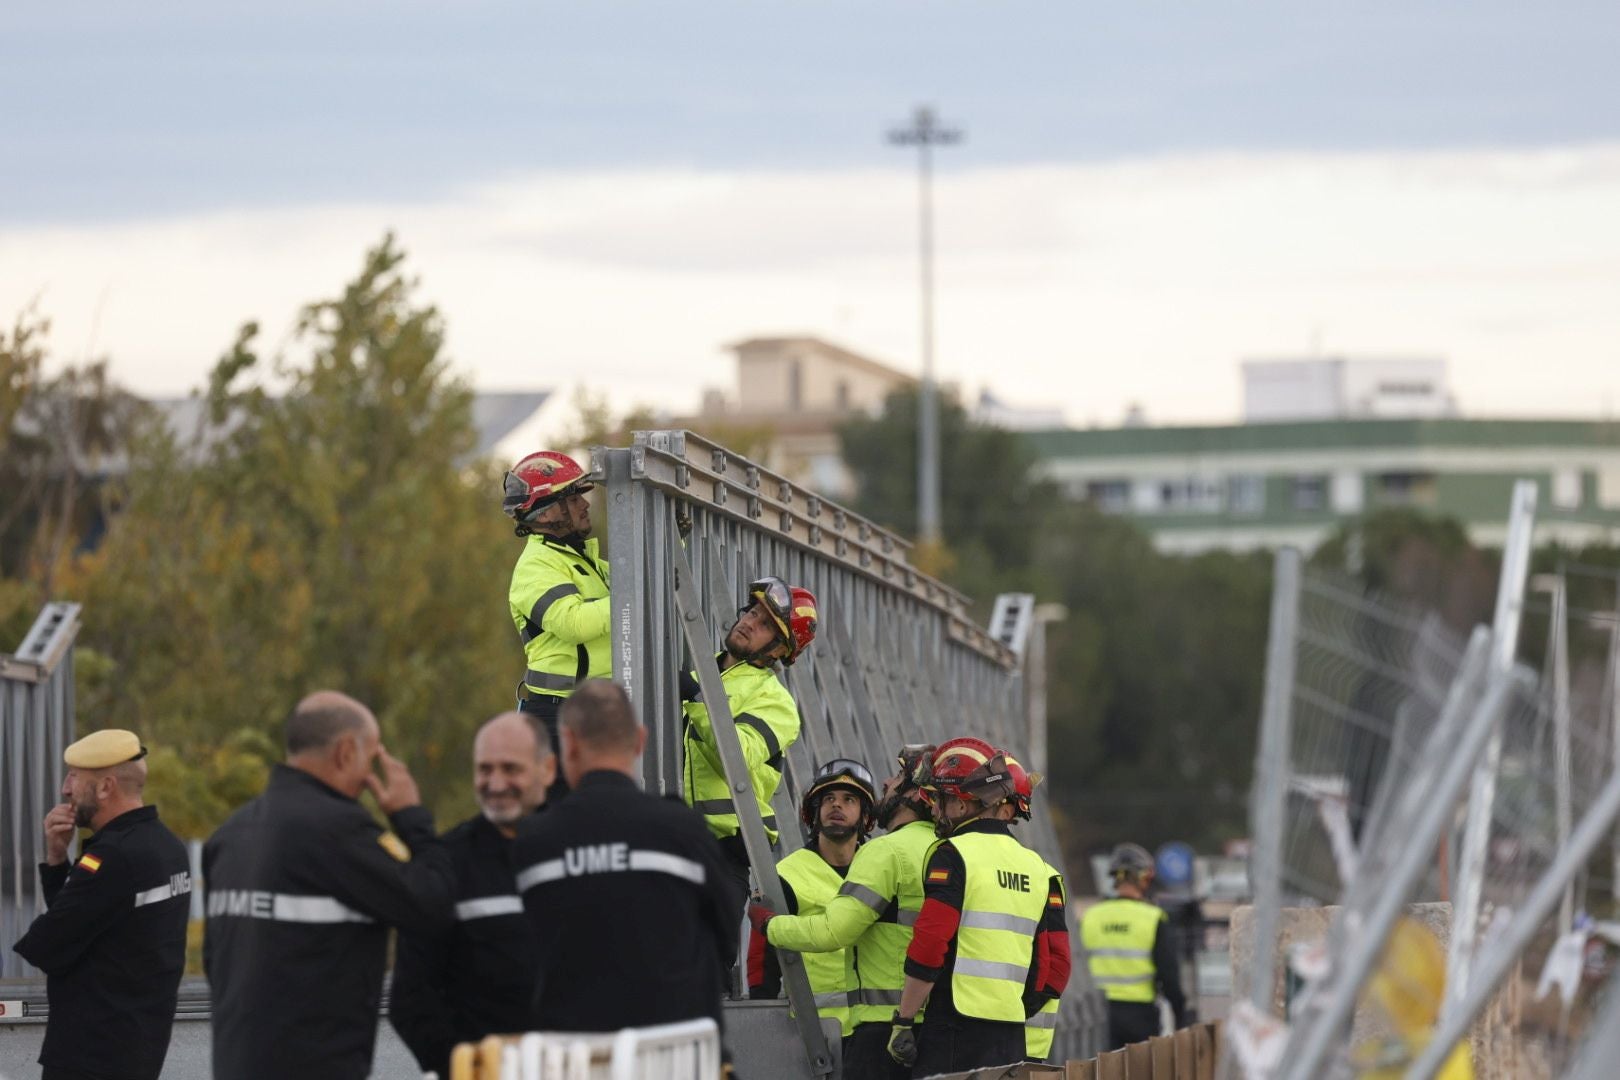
<point>903,1041</point>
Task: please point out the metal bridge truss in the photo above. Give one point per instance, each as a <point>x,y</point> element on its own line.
<point>897,658</point>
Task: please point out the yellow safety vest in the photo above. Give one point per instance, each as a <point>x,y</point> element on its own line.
<point>1004,896</point>
<point>832,974</point>
<point>767,721</point>
<point>873,914</point>
<point>559,603</point>
<point>1118,937</point>
<point>1041,1029</point>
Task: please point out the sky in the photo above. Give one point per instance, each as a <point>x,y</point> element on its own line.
<point>609,194</point>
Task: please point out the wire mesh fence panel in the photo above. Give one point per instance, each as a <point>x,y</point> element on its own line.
<point>1370,680</point>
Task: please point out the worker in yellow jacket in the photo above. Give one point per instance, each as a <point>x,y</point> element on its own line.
<point>559,592</point>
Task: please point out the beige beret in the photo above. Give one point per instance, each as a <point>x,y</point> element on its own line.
<point>104,749</point>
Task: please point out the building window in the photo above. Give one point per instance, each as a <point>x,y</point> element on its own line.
<point>1405,488</point>
<point>1109,496</point>
<point>1309,492</point>
<point>1191,495</point>
<point>841,394</point>
<point>1246,494</point>
<point>795,384</point>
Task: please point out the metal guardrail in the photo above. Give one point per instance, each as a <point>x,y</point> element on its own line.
<point>36,725</point>
<point>897,657</point>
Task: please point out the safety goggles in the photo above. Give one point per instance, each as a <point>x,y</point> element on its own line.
<point>778,600</point>
<point>844,768</point>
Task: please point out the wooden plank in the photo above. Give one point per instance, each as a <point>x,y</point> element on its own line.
<point>1081,1070</point>
<point>1138,1062</point>
<point>1205,1056</point>
<point>1185,1055</point>
<point>1163,1051</point>
<point>1111,1065</point>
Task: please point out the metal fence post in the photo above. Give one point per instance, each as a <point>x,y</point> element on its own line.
<point>1271,774</point>
<point>1482,790</point>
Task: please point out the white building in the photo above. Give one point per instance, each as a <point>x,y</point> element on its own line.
<point>1344,388</point>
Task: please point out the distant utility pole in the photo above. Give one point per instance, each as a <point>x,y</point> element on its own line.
<point>925,133</point>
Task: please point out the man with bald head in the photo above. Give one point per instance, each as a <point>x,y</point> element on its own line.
<point>634,911</point>
<point>474,975</point>
<point>112,942</point>
<point>303,885</point>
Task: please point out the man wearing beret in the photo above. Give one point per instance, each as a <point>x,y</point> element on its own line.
<point>112,942</point>
<point>303,885</point>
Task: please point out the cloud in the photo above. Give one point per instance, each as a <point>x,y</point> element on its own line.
<point>1087,286</point>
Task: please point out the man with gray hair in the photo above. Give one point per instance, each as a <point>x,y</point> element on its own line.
<point>474,975</point>
<point>634,910</point>
<point>112,941</point>
<point>302,888</point>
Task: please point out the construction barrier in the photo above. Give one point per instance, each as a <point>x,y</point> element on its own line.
<point>689,1050</point>
<point>1192,1053</point>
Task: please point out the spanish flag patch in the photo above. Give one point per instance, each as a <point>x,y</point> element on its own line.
<point>90,863</point>
<point>1055,900</point>
<point>935,876</point>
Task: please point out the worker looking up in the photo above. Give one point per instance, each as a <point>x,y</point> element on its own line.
<point>837,809</point>
<point>776,624</point>
<point>474,975</point>
<point>873,912</point>
<point>1130,952</point>
<point>559,591</point>
<point>992,912</point>
<point>632,906</point>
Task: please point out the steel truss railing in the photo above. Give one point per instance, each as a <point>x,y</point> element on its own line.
<point>897,657</point>
<point>36,725</point>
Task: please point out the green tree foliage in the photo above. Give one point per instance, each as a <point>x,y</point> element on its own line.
<point>334,534</point>
<point>992,507</point>
<point>59,435</point>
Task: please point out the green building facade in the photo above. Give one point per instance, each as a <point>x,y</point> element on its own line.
<point>1250,486</point>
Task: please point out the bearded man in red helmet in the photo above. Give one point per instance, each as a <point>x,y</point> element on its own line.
<point>776,625</point>
<point>559,592</point>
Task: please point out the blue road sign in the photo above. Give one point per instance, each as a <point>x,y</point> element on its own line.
<point>1173,862</point>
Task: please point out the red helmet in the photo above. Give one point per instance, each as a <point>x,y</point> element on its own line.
<point>540,480</point>
<point>971,768</point>
<point>794,611</point>
<point>1023,785</point>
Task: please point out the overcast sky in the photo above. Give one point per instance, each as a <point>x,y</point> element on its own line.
<point>1147,193</point>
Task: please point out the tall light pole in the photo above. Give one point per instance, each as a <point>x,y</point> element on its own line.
<point>925,133</point>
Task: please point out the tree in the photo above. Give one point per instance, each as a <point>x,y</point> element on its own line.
<point>335,535</point>
<point>992,506</point>
<point>60,436</point>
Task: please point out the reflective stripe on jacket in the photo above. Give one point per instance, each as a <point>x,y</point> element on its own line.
<point>767,723</point>
<point>559,603</point>
<point>832,974</point>
<point>874,912</point>
<point>1005,895</point>
<point>1118,938</point>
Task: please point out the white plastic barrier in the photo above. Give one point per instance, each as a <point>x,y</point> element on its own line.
<point>689,1050</point>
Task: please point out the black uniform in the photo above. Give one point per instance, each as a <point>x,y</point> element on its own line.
<point>302,887</point>
<point>634,911</point>
<point>474,976</point>
<point>112,945</point>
